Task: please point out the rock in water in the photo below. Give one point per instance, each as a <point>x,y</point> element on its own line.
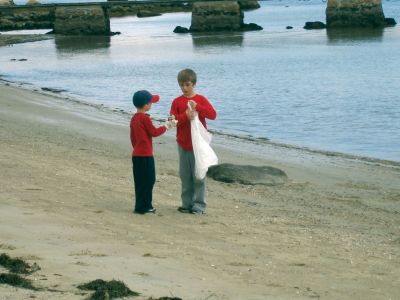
<point>180,29</point>
<point>250,27</point>
<point>82,20</point>
<point>354,13</point>
<point>390,22</point>
<point>216,15</point>
<point>314,25</point>
<point>246,174</point>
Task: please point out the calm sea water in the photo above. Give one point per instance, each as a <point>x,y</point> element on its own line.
<point>334,91</point>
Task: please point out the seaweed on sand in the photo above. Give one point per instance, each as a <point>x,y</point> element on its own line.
<point>166,298</point>
<point>107,289</point>
<point>17,265</point>
<point>17,281</point>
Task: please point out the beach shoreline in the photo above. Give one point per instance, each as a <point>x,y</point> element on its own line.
<point>223,138</point>
<point>66,204</point>
<point>355,134</point>
<point>7,39</point>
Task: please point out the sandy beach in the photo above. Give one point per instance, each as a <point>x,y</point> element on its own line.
<point>331,232</point>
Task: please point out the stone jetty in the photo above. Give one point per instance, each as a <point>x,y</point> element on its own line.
<point>216,16</point>
<point>83,20</point>
<point>210,16</point>
<point>354,13</point>
<point>34,15</point>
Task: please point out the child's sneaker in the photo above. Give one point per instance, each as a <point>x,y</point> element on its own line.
<point>184,210</point>
<point>197,212</point>
<point>149,211</point>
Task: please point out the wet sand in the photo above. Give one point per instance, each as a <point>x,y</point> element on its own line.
<point>66,198</point>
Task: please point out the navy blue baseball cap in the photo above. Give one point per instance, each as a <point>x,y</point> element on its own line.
<point>141,98</point>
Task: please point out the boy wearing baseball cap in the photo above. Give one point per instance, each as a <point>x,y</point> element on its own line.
<point>142,132</point>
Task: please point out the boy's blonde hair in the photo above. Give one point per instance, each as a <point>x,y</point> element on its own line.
<point>187,75</point>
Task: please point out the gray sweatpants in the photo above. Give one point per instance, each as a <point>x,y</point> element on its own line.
<point>193,190</point>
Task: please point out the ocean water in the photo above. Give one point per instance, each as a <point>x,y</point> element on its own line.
<point>335,91</point>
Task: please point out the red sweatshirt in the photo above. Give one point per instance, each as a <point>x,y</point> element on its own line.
<point>178,109</point>
<point>142,132</point>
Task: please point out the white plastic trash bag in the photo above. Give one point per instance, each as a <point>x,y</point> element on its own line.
<point>204,155</point>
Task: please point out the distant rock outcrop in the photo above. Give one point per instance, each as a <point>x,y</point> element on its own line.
<point>83,20</point>
<point>6,2</point>
<point>354,13</point>
<point>32,2</point>
<point>126,8</point>
<point>27,17</point>
<point>147,13</point>
<point>246,174</point>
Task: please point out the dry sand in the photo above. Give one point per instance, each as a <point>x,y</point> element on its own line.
<point>66,198</point>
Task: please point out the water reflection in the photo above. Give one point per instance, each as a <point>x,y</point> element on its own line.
<point>339,35</point>
<point>203,40</point>
<point>76,44</point>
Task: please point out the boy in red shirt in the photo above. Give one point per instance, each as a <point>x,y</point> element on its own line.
<point>193,190</point>
<point>142,132</point>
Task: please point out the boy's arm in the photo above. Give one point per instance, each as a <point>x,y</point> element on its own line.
<point>152,130</point>
<point>180,117</point>
<point>132,133</point>
<point>206,110</point>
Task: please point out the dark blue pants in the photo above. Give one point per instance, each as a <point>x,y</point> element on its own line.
<point>144,176</point>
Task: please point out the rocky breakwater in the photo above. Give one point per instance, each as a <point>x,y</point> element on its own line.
<point>83,20</point>
<point>354,13</point>
<point>127,8</point>
<point>217,16</point>
<point>28,17</point>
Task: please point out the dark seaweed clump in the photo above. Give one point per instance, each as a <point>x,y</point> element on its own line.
<point>166,298</point>
<point>16,280</point>
<point>107,289</point>
<point>17,265</point>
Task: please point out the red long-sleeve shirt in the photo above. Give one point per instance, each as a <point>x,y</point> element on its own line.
<point>178,109</point>
<point>142,133</point>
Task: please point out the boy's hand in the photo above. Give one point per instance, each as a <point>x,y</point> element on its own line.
<point>174,123</point>
<point>168,124</point>
<point>192,104</point>
<point>190,114</point>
